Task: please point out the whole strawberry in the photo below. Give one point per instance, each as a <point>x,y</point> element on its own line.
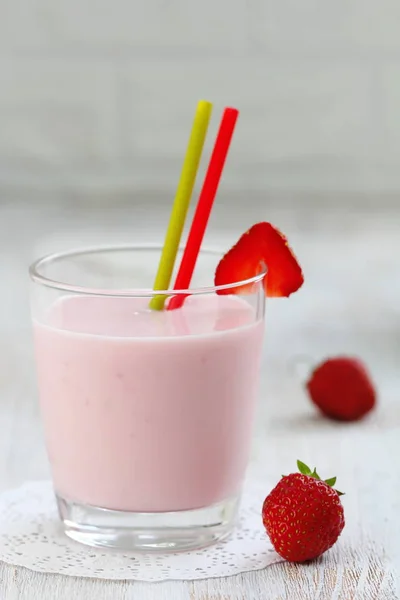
<point>303,515</point>
<point>342,389</point>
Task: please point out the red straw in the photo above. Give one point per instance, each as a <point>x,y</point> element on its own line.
<point>204,205</point>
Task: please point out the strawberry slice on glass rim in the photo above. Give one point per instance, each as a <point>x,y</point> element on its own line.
<point>262,247</point>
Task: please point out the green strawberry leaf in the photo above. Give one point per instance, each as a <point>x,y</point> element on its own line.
<point>303,468</point>
<point>315,475</point>
<point>331,482</point>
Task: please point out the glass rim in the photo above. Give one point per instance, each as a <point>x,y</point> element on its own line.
<point>37,277</point>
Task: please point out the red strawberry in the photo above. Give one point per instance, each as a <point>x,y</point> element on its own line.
<point>342,389</point>
<point>262,245</point>
<point>303,516</point>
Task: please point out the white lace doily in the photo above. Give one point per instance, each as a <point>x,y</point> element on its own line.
<point>31,537</point>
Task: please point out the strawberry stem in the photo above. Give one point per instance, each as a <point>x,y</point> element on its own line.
<point>315,474</point>
<point>305,470</point>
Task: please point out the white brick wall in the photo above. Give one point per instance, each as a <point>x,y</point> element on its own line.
<point>55,113</point>
<point>152,25</point>
<point>99,94</point>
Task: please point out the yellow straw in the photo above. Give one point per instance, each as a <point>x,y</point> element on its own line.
<point>181,202</point>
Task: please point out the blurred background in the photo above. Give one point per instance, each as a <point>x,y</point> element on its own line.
<point>96,103</point>
<point>96,96</point>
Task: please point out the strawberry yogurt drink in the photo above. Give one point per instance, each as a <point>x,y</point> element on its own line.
<point>147,414</point>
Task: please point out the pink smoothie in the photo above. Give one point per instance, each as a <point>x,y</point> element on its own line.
<point>145,410</point>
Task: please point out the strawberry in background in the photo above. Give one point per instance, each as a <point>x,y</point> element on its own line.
<point>342,389</point>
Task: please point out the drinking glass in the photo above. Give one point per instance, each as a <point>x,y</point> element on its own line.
<point>147,413</point>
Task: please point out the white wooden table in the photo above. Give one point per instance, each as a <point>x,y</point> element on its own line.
<point>350,304</point>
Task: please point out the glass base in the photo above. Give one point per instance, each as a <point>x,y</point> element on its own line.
<point>148,532</point>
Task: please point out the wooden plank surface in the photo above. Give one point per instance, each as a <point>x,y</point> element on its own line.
<point>351,304</point>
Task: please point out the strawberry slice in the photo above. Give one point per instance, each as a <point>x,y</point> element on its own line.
<point>262,245</point>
